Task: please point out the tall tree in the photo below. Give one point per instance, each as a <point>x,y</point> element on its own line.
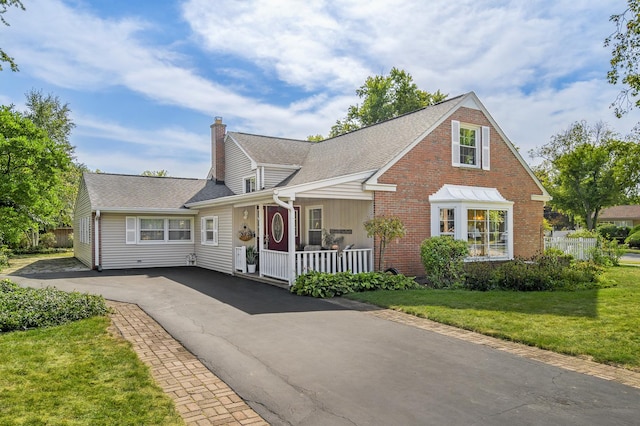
<point>49,114</point>
<point>31,171</point>
<point>385,97</point>
<point>625,54</point>
<point>587,168</point>
<point>4,6</point>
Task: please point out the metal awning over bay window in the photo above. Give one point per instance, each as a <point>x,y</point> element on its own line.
<point>481,216</point>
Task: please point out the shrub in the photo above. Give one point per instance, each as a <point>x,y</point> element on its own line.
<point>480,276</point>
<point>633,240</point>
<point>321,284</point>
<point>613,232</point>
<point>48,240</point>
<point>4,257</point>
<point>583,233</point>
<point>608,253</point>
<point>443,258</point>
<point>24,308</point>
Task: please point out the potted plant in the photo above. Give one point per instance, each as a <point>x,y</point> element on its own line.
<point>252,257</point>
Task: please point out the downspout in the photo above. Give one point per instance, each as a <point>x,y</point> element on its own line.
<point>292,234</point>
<point>96,240</point>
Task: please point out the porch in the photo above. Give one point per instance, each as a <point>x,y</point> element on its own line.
<point>276,264</point>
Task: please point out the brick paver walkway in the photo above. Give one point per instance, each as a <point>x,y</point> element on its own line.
<point>607,372</point>
<point>200,397</point>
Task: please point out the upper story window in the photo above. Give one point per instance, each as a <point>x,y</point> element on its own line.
<point>249,184</point>
<point>470,145</point>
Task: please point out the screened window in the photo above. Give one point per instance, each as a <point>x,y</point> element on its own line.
<point>151,229</point>
<point>179,229</point>
<point>314,215</point>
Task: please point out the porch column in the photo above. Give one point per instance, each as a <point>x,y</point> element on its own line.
<point>260,237</point>
<point>292,241</point>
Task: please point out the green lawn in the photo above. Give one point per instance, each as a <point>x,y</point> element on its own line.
<point>601,324</point>
<point>77,374</point>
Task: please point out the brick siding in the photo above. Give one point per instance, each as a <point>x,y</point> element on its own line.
<point>427,167</point>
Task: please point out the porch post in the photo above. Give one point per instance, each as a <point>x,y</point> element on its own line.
<point>260,237</point>
<point>292,241</point>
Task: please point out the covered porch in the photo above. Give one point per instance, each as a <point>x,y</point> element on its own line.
<point>304,234</point>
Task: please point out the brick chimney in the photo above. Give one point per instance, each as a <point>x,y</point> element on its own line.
<point>218,131</point>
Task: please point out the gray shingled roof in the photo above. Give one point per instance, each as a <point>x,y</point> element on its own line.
<point>621,212</point>
<point>269,150</point>
<point>363,150</point>
<point>148,192</point>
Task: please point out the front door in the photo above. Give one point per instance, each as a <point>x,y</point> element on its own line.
<point>277,227</point>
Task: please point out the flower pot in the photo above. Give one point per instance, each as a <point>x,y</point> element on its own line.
<point>251,268</point>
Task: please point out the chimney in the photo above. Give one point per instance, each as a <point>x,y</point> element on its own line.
<point>218,131</point>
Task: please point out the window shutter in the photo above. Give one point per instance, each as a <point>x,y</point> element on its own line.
<point>486,150</point>
<point>203,230</point>
<point>131,229</point>
<point>455,142</point>
<point>215,231</point>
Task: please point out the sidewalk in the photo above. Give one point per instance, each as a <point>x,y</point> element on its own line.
<point>201,398</point>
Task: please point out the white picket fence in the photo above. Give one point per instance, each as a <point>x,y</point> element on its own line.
<point>579,248</point>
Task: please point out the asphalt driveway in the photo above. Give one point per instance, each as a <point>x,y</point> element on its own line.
<point>303,361</point>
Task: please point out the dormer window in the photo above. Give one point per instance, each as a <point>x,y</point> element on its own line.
<point>249,184</point>
<point>470,145</point>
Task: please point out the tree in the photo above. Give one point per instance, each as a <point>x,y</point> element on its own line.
<point>625,54</point>
<point>315,138</point>
<point>4,57</point>
<point>158,173</point>
<point>32,167</point>
<point>51,115</point>
<point>386,228</point>
<point>385,97</point>
<point>587,168</point>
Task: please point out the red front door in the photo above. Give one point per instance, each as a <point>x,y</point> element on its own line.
<point>277,227</point>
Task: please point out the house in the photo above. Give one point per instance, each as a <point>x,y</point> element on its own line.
<point>447,169</point>
<point>621,215</point>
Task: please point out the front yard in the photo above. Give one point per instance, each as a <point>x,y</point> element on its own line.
<point>602,324</point>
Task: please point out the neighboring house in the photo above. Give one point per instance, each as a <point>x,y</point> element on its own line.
<point>447,169</point>
<point>621,215</point>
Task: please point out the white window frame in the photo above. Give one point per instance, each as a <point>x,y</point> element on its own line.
<point>252,184</point>
<point>307,222</point>
<point>482,145</point>
<point>461,226</point>
<point>204,240</point>
<point>134,228</point>
<point>85,230</point>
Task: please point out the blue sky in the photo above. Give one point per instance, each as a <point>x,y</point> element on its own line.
<point>144,79</point>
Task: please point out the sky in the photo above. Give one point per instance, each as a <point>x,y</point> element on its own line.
<point>144,79</point>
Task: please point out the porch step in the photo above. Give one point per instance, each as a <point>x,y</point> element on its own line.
<point>266,280</point>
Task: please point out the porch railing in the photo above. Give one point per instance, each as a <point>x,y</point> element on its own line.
<point>330,261</point>
<point>274,264</point>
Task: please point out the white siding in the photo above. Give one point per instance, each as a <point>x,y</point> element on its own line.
<point>220,257</point>
<point>237,167</point>
<point>340,214</point>
<point>344,191</point>
<point>273,176</point>
<point>82,251</point>
<point>116,254</point>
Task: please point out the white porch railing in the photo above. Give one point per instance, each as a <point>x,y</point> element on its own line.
<point>330,261</point>
<point>274,264</point>
<point>241,259</point>
<point>579,248</point>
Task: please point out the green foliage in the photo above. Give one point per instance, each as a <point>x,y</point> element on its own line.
<point>156,173</point>
<point>5,252</point>
<point>550,271</point>
<point>633,240</point>
<point>443,260</point>
<point>587,168</point>
<point>24,308</point>
<point>4,57</point>
<point>624,57</point>
<point>252,255</point>
<point>383,98</point>
<point>386,229</point>
<point>48,240</point>
<point>583,233</point>
<point>315,138</point>
<point>32,167</point>
<point>612,232</point>
<point>320,284</point>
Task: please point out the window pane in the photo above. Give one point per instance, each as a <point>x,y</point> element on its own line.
<point>152,235</point>
<point>315,227</point>
<point>180,235</point>
<point>151,223</point>
<point>447,221</point>
<point>468,146</point>
<point>179,224</point>
<point>487,233</point>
